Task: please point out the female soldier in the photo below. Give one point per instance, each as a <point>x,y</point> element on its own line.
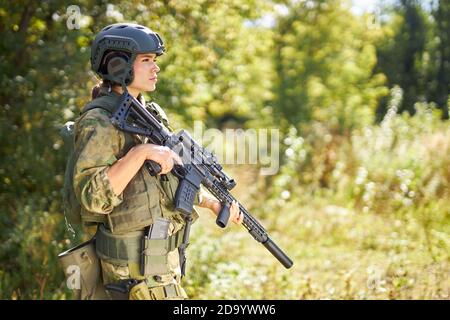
<point>113,187</point>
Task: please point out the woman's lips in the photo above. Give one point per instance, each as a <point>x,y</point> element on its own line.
<point>154,79</point>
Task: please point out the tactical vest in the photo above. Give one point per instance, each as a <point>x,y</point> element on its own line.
<point>146,197</point>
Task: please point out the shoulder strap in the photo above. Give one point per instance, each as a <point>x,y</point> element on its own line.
<point>103,102</point>
<point>159,113</point>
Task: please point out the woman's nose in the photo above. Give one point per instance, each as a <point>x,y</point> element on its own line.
<point>156,68</point>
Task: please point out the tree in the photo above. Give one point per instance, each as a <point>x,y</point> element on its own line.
<point>440,79</point>
<point>324,62</point>
<point>415,54</point>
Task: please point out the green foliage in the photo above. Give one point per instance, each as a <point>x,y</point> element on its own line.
<point>438,87</point>
<point>414,54</point>
<point>324,62</point>
<point>363,216</point>
<point>385,168</point>
<point>215,68</point>
<point>39,88</point>
<point>46,80</point>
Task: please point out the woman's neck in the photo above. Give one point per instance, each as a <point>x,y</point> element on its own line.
<point>134,92</point>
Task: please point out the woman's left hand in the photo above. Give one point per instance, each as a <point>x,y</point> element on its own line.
<point>236,216</point>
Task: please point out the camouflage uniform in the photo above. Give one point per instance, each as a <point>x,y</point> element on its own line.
<point>98,145</point>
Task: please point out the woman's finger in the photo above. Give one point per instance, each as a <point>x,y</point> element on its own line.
<point>241,217</point>
<point>165,168</point>
<point>177,159</point>
<point>237,217</point>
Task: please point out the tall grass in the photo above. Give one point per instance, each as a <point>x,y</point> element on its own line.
<point>365,215</point>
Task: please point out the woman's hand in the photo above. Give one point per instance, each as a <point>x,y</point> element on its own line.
<point>162,155</point>
<point>236,215</point>
<point>123,170</point>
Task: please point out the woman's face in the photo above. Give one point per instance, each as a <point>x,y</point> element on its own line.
<point>145,70</point>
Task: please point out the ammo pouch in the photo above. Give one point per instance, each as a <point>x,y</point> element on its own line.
<point>83,272</point>
<point>131,289</point>
<point>128,289</point>
<point>133,247</point>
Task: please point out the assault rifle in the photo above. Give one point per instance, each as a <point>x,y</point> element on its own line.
<point>200,167</point>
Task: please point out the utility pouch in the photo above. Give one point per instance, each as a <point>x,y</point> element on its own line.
<point>155,249</point>
<point>81,266</point>
<point>140,292</point>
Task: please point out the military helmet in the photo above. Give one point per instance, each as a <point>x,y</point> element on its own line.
<point>115,48</point>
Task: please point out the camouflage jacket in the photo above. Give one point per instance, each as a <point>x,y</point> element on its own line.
<point>98,145</point>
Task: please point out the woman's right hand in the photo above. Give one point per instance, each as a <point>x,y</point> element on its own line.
<point>162,155</point>
<point>124,169</point>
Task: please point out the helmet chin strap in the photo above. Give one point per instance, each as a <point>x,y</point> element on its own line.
<point>124,87</point>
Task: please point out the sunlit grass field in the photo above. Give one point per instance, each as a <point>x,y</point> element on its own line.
<point>338,253</point>
<point>363,216</point>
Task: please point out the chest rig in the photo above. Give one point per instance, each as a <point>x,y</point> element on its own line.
<point>123,235</point>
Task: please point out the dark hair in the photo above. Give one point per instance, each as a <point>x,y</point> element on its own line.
<point>103,84</point>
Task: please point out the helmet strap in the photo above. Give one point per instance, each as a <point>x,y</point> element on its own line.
<point>124,87</point>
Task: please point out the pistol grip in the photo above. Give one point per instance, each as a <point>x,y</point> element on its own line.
<point>153,167</point>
